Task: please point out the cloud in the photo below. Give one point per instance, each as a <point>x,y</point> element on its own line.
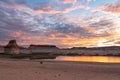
<point>75,1</point>
<point>69,1</point>
<point>109,7</point>
<point>90,0</point>
<point>48,9</point>
<point>51,7</point>
<point>52,23</point>
<point>113,8</point>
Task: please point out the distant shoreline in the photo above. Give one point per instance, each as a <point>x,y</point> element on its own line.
<point>43,56</point>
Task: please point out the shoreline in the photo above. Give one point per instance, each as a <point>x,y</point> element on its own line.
<point>55,60</point>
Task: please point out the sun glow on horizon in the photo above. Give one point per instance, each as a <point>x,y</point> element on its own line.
<point>90,59</point>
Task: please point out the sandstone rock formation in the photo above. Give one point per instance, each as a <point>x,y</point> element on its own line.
<point>12,48</point>
<point>1,49</point>
<point>43,48</point>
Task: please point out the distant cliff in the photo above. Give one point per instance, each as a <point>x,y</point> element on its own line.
<point>97,48</point>
<point>43,48</point>
<point>13,48</point>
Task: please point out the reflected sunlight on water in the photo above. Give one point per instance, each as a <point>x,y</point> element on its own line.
<point>107,59</point>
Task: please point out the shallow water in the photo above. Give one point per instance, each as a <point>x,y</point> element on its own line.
<point>106,59</point>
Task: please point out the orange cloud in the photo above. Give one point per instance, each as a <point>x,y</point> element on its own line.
<point>91,41</point>
<point>114,9</point>
<point>90,29</point>
<point>86,41</point>
<point>69,40</point>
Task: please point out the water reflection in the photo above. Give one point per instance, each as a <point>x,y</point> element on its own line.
<point>106,59</point>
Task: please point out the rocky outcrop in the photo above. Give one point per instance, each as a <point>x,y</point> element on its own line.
<point>12,48</point>
<point>43,48</point>
<point>1,49</point>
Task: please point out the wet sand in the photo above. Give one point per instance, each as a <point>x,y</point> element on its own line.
<point>57,70</point>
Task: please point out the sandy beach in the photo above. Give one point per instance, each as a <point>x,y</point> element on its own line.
<point>57,70</point>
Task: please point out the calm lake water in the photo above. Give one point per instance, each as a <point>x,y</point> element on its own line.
<point>106,59</point>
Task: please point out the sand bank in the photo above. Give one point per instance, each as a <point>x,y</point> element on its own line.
<point>56,70</point>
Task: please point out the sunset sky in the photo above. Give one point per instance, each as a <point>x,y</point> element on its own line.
<point>64,23</point>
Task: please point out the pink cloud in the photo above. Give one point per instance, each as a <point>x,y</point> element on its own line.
<point>109,7</point>
<point>69,1</point>
<point>49,10</point>
<point>90,0</point>
<point>16,6</point>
